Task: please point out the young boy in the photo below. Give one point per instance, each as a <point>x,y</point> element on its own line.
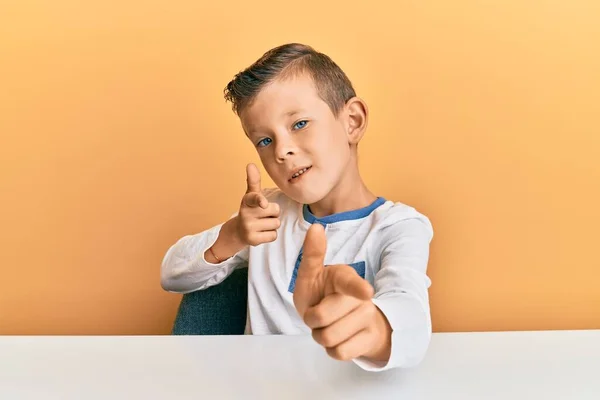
<point>325,255</point>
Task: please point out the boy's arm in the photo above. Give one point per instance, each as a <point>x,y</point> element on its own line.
<point>401,293</point>
<point>189,265</point>
<point>206,259</point>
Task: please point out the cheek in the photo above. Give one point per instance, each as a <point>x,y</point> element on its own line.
<point>331,140</point>
<point>273,170</point>
<point>336,148</point>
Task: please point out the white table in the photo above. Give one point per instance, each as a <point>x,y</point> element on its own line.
<point>509,365</point>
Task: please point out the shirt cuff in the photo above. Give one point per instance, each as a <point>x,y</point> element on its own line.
<point>411,333</point>
<point>211,237</point>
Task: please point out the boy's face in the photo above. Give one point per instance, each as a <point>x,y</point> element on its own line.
<point>302,145</point>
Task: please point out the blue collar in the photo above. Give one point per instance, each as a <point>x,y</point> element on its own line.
<point>343,216</point>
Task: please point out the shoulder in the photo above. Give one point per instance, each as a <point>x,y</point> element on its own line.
<point>396,220</point>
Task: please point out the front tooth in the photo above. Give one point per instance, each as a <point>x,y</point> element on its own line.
<point>297,174</point>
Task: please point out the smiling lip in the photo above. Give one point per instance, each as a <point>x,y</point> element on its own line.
<point>295,179</point>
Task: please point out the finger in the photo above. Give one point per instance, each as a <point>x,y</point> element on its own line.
<point>262,237</point>
<point>343,279</point>
<point>346,327</point>
<point>256,199</point>
<point>252,179</point>
<point>354,347</point>
<point>272,210</point>
<point>266,224</point>
<point>331,309</point>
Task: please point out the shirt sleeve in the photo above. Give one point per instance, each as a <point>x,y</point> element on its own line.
<point>401,292</point>
<point>184,268</point>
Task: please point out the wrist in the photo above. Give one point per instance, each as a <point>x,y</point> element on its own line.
<point>382,347</point>
<point>230,229</point>
<point>226,245</point>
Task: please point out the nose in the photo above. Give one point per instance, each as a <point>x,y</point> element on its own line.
<point>284,148</point>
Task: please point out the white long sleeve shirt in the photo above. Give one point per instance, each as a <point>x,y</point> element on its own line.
<point>387,243</point>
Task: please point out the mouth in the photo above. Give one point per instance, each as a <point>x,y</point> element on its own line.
<point>298,173</point>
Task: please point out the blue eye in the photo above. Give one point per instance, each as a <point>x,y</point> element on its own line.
<point>300,124</point>
<point>264,142</point>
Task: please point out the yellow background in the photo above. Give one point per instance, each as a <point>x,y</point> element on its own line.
<point>116,141</point>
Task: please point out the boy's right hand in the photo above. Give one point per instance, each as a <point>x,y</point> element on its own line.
<point>257,220</point>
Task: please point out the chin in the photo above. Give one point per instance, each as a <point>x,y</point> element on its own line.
<point>306,197</point>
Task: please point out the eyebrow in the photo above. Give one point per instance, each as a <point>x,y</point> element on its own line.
<point>294,112</point>
<point>252,132</point>
<point>287,114</point>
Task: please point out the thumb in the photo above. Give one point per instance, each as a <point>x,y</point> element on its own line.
<point>252,178</point>
<point>310,287</point>
<point>313,255</point>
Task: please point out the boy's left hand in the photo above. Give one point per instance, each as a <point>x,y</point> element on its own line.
<point>335,302</point>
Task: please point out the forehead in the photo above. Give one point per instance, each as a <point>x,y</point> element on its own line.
<point>280,98</point>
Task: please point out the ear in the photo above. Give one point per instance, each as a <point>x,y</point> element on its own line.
<point>357,115</point>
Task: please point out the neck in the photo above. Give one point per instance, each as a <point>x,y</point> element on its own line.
<point>349,194</point>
